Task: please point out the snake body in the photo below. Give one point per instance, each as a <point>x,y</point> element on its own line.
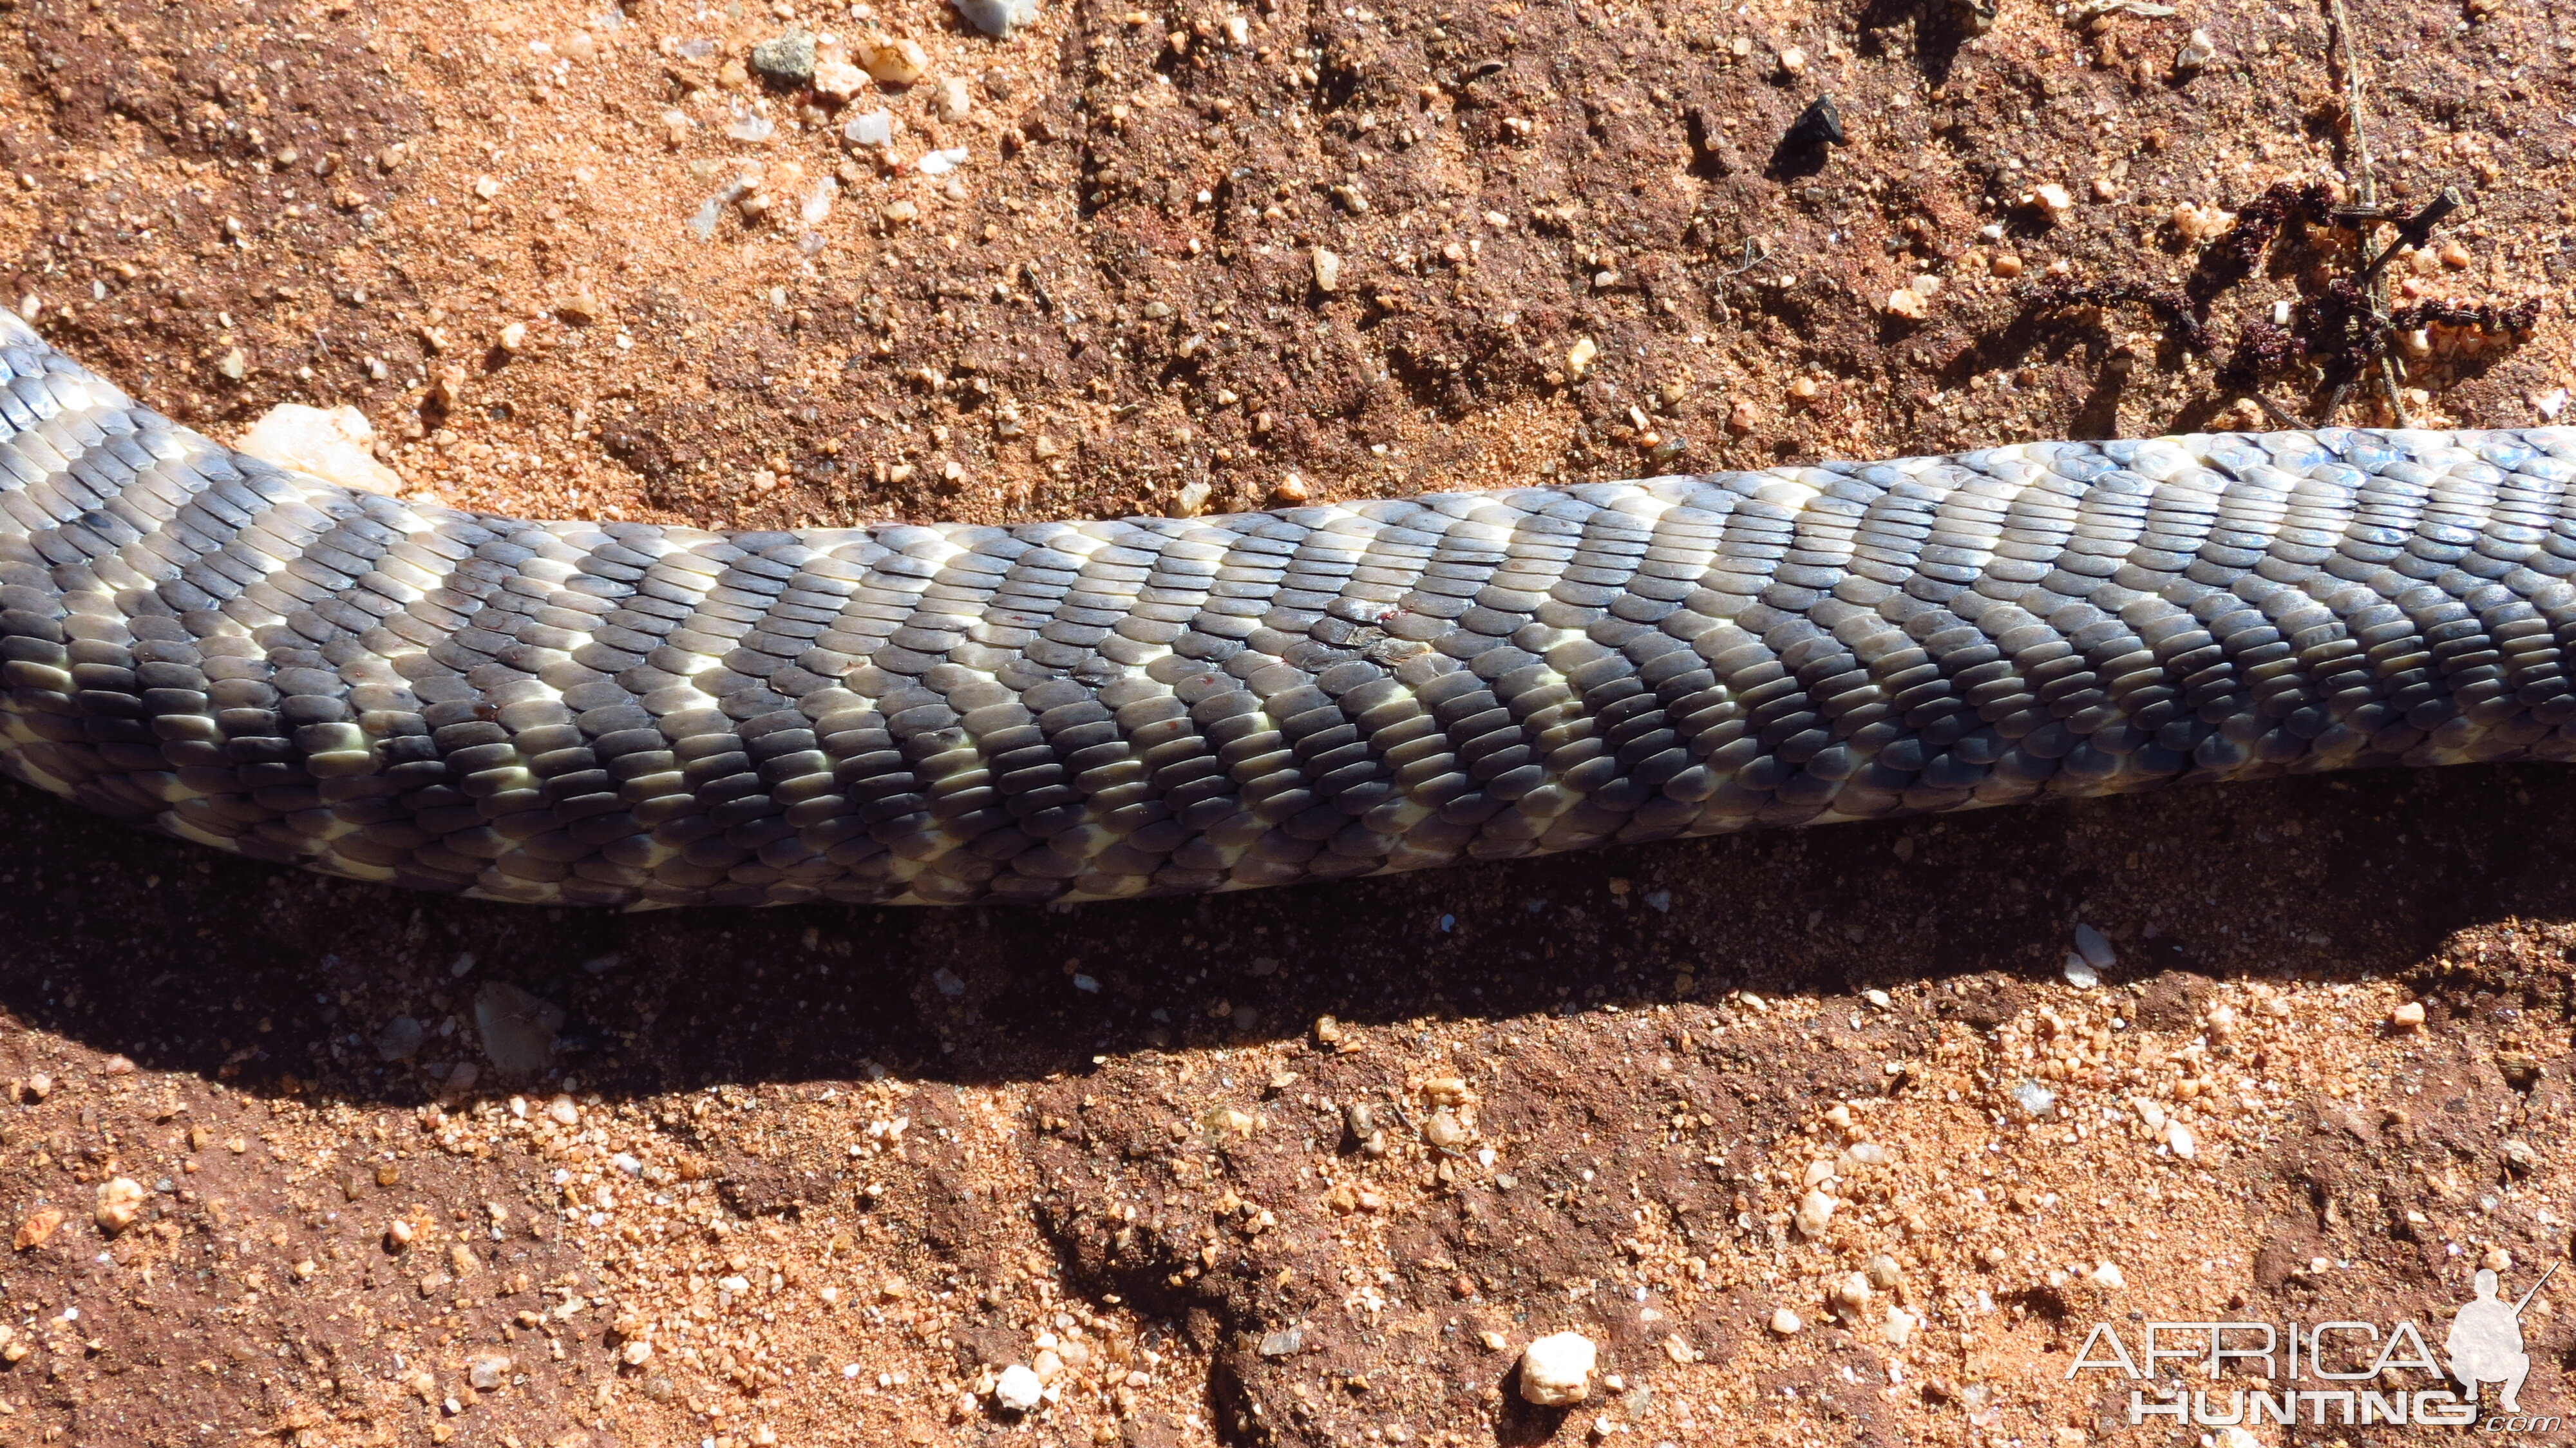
<point>619,714</point>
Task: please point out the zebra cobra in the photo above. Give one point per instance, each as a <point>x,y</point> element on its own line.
<point>619,714</point>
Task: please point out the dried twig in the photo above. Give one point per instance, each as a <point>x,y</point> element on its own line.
<point>2364,169</point>
<point>2414,230</point>
<point>2275,411</point>
<point>1756,252</point>
<point>2366,180</point>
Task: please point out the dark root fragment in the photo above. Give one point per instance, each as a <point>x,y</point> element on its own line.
<point>2485,317</point>
<point>2243,246</point>
<point>2169,305</point>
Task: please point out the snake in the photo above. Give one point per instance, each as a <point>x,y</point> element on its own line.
<point>619,714</point>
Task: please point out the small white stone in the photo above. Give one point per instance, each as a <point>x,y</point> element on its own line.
<point>487,1371</point>
<point>1785,1322</point>
<point>2180,1141</point>
<point>1853,1291</point>
<point>331,445</point>
<point>1328,270</point>
<point>2106,1275</point>
<point>818,201</point>
<point>2079,973</point>
<point>2196,53</point>
<point>119,1202</point>
<point>940,163</point>
<point>2200,223</point>
<point>1815,1209</point>
<point>1018,1390</point>
<point>563,1111</point>
<point>2150,1113</point>
<point>895,62</point>
<point>2095,947</point>
<point>997,18</point>
<point>2034,1099</point>
<point>1557,1369</point>
<point>838,81</point>
<point>518,1029</point>
<point>1578,358</point>
<point>875,128</point>
<point>1900,1326</point>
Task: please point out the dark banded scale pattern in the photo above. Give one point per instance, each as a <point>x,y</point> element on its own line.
<point>620,714</point>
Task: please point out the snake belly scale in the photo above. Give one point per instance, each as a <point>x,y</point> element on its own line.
<point>629,715</point>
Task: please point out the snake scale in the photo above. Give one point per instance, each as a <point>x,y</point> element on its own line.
<point>620,714</point>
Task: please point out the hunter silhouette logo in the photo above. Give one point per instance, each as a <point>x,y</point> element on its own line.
<point>2486,1341</point>
<point>2362,1374</point>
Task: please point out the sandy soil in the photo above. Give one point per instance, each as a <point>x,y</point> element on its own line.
<point>1312,1166</point>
